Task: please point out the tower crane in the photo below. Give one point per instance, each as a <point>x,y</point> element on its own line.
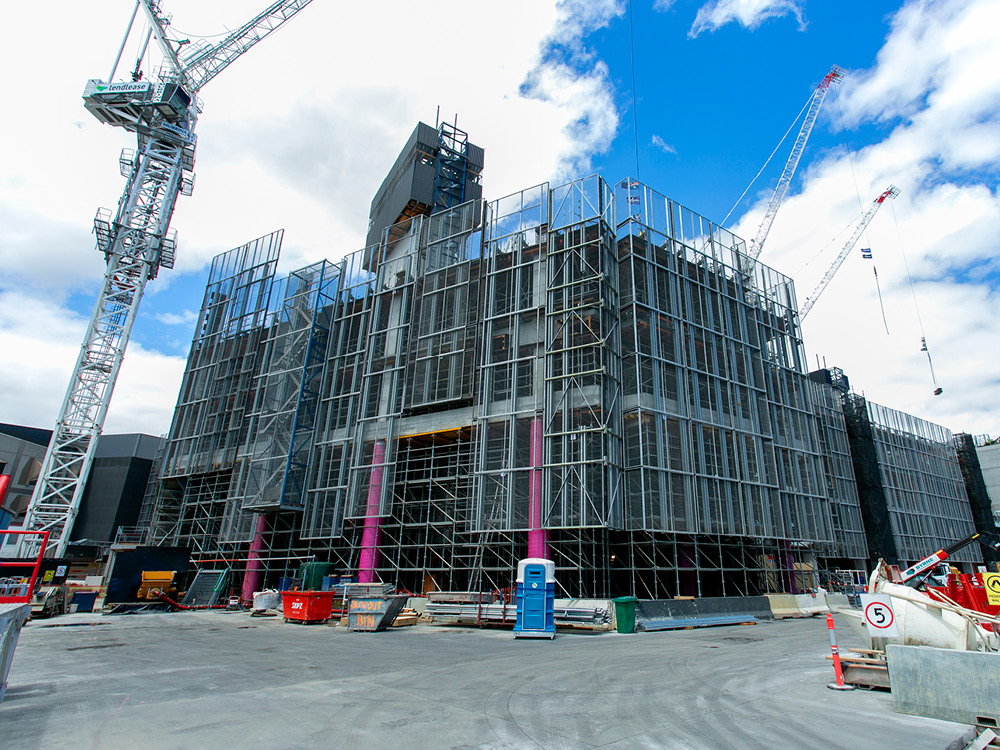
<point>890,192</point>
<point>835,75</point>
<point>136,240</point>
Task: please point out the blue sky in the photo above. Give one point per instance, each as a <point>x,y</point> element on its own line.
<point>721,100</point>
<point>299,133</point>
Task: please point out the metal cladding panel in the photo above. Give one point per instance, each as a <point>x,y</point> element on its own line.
<point>665,609</point>
<point>133,444</point>
<point>476,157</point>
<point>975,488</point>
<point>410,177</point>
<point>113,497</point>
<point>871,492</point>
<point>28,434</point>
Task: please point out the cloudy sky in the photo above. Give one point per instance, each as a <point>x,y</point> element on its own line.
<point>689,96</point>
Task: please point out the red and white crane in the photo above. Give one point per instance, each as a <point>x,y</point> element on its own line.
<point>890,192</point>
<point>835,75</point>
<point>136,240</point>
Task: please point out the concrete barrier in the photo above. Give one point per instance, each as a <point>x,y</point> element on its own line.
<point>944,684</point>
<point>662,614</point>
<point>797,605</point>
<point>12,618</point>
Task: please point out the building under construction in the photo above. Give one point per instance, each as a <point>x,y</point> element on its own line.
<point>588,372</point>
<point>910,482</point>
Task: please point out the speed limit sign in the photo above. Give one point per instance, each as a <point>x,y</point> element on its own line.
<point>878,614</point>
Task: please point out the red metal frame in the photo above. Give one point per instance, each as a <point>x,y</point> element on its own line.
<point>23,563</point>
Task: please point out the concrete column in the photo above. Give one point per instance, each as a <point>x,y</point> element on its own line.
<point>373,522</point>
<point>253,577</point>
<point>538,545</point>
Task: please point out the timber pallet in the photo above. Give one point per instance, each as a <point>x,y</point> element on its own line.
<point>867,669</point>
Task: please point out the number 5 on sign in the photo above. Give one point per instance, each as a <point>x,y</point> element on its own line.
<point>879,617</point>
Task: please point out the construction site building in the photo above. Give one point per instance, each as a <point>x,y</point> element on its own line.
<point>587,372</point>
<point>988,457</point>
<point>975,476</point>
<point>910,483</point>
<point>113,496</point>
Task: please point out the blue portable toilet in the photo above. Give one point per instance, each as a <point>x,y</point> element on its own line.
<point>536,596</point>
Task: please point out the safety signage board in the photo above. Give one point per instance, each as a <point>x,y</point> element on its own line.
<point>878,614</point>
<point>992,583</point>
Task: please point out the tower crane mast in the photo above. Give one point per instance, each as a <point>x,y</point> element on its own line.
<point>835,75</point>
<point>136,240</point>
<point>890,192</point>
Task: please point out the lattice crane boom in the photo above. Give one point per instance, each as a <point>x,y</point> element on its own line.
<point>835,75</point>
<point>890,192</point>
<point>202,65</point>
<point>136,241</point>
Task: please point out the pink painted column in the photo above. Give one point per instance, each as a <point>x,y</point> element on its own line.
<point>253,577</point>
<point>373,522</point>
<point>538,543</point>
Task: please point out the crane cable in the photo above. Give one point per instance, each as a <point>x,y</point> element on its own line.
<point>823,249</point>
<point>861,205</point>
<point>938,390</point>
<point>743,195</point>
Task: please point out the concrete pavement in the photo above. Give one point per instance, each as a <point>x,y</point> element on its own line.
<point>220,680</point>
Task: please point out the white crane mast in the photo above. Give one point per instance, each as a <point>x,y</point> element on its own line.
<point>136,241</point>
<point>835,75</point>
<point>890,192</point>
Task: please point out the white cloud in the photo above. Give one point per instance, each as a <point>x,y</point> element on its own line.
<point>929,88</point>
<point>748,13</point>
<point>297,135</point>
<point>662,6</point>
<point>577,18</point>
<point>185,317</point>
<point>663,145</point>
<point>46,338</point>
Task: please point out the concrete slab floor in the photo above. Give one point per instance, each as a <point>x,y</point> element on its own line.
<point>221,680</point>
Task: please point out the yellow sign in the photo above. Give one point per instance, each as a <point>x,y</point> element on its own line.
<point>992,583</point>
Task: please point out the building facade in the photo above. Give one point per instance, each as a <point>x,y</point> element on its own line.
<point>988,457</point>
<point>913,497</point>
<point>112,498</point>
<point>588,372</point>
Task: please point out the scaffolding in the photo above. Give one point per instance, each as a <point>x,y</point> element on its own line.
<point>340,399</point>
<point>210,422</point>
<point>912,495</point>
<point>582,417</point>
<point>925,493</point>
<point>975,488</point>
<point>585,369</point>
<point>848,548</point>
<point>452,167</point>
<point>721,448</point>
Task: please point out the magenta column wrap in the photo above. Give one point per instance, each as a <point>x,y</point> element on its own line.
<point>253,578</point>
<point>537,536</point>
<point>373,522</point>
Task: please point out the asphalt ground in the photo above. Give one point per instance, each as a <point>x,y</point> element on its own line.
<point>220,680</point>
